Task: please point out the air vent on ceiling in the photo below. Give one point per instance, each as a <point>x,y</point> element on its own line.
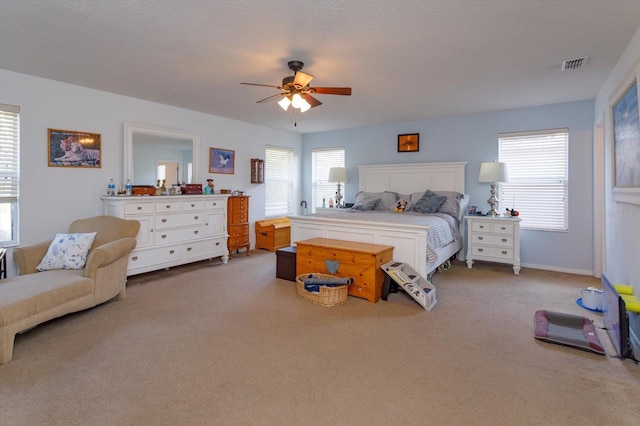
<point>574,64</point>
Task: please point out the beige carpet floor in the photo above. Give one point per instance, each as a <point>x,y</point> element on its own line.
<point>213,344</point>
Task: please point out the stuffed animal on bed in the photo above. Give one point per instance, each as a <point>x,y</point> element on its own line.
<point>401,206</point>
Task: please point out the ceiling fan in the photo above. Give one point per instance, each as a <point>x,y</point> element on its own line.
<point>296,91</point>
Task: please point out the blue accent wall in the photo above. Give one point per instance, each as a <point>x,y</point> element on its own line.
<point>474,138</point>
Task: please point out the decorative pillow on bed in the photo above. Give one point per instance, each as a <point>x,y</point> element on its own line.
<point>365,201</point>
<point>451,206</point>
<point>430,202</point>
<point>67,251</point>
<point>388,200</point>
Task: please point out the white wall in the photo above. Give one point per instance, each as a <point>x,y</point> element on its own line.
<point>51,198</point>
<point>474,138</point>
<point>621,220</point>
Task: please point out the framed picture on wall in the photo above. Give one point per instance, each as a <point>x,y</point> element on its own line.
<point>72,148</point>
<point>626,139</point>
<point>222,161</point>
<point>409,142</point>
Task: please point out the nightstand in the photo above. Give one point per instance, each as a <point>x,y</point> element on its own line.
<point>493,239</point>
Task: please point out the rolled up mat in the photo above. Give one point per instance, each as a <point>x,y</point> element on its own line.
<point>633,306</point>
<point>623,289</point>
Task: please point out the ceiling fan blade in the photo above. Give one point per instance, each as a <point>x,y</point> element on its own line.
<point>270,98</point>
<point>346,91</point>
<point>263,85</point>
<point>302,79</point>
<point>310,100</point>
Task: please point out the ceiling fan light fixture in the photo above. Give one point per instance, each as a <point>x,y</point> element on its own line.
<point>297,100</point>
<point>305,106</point>
<point>284,103</point>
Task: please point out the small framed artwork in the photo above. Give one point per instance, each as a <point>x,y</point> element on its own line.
<point>222,161</point>
<point>409,142</point>
<point>71,148</point>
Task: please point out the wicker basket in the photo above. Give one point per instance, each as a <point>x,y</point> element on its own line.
<point>328,296</point>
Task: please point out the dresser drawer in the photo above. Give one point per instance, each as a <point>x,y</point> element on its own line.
<point>498,228</point>
<point>215,204</point>
<point>505,253</point>
<point>200,248</point>
<point>139,208</point>
<point>154,256</point>
<point>170,236</point>
<point>179,219</point>
<point>193,205</point>
<point>492,239</point>
<point>168,206</point>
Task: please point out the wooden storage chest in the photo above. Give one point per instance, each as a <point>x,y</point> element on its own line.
<point>362,261</point>
<point>273,234</point>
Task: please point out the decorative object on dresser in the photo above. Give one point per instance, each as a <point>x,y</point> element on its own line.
<point>174,230</point>
<point>257,170</point>
<point>338,175</point>
<point>493,173</point>
<point>238,223</point>
<point>273,234</point>
<point>493,239</point>
<point>345,259</point>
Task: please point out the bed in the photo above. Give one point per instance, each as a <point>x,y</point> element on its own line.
<point>410,237</point>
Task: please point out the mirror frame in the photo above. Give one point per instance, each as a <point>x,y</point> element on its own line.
<point>131,128</point>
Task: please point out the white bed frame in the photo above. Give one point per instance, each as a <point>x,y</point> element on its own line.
<point>409,241</point>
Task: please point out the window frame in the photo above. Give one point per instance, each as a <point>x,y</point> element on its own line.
<point>321,187</point>
<point>543,189</point>
<point>284,181</point>
<point>9,172</point>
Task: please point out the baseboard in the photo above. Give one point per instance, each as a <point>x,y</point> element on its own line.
<point>558,269</point>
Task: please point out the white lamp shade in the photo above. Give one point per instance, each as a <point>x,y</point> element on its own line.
<point>284,103</point>
<point>493,172</point>
<point>337,174</point>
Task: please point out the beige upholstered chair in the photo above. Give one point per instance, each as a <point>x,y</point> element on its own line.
<point>34,297</point>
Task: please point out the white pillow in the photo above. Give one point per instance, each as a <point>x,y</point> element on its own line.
<point>67,251</point>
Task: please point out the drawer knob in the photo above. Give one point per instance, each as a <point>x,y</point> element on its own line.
<point>188,248</point>
<point>481,226</point>
<point>504,240</point>
<point>163,236</point>
<point>215,204</point>
<point>481,238</point>
<point>164,220</point>
<point>172,251</point>
<point>168,206</point>
<point>196,232</point>
<point>193,205</point>
<point>134,258</point>
<point>139,207</point>
<point>480,250</point>
<point>504,252</point>
<point>196,217</point>
<point>503,228</point>
<point>217,243</point>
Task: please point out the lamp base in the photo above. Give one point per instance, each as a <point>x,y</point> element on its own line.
<point>493,202</point>
<point>338,197</point>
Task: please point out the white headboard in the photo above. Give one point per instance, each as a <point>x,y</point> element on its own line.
<point>414,177</point>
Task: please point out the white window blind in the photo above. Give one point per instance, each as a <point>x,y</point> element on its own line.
<point>278,179</point>
<point>9,162</point>
<point>321,161</point>
<point>537,164</point>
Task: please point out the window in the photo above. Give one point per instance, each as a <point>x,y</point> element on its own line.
<point>278,179</point>
<point>321,161</point>
<point>537,164</point>
<point>9,160</point>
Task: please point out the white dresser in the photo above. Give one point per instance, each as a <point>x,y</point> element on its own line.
<point>173,229</point>
<point>493,239</point>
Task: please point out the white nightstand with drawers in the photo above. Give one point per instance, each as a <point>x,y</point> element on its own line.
<point>493,239</point>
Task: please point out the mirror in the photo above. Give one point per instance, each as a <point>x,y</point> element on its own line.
<point>147,147</point>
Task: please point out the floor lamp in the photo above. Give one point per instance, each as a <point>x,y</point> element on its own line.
<point>493,173</point>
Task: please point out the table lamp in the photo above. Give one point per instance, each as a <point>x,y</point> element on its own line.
<point>493,173</point>
<point>339,175</point>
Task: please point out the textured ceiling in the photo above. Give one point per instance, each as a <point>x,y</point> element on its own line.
<point>405,60</point>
